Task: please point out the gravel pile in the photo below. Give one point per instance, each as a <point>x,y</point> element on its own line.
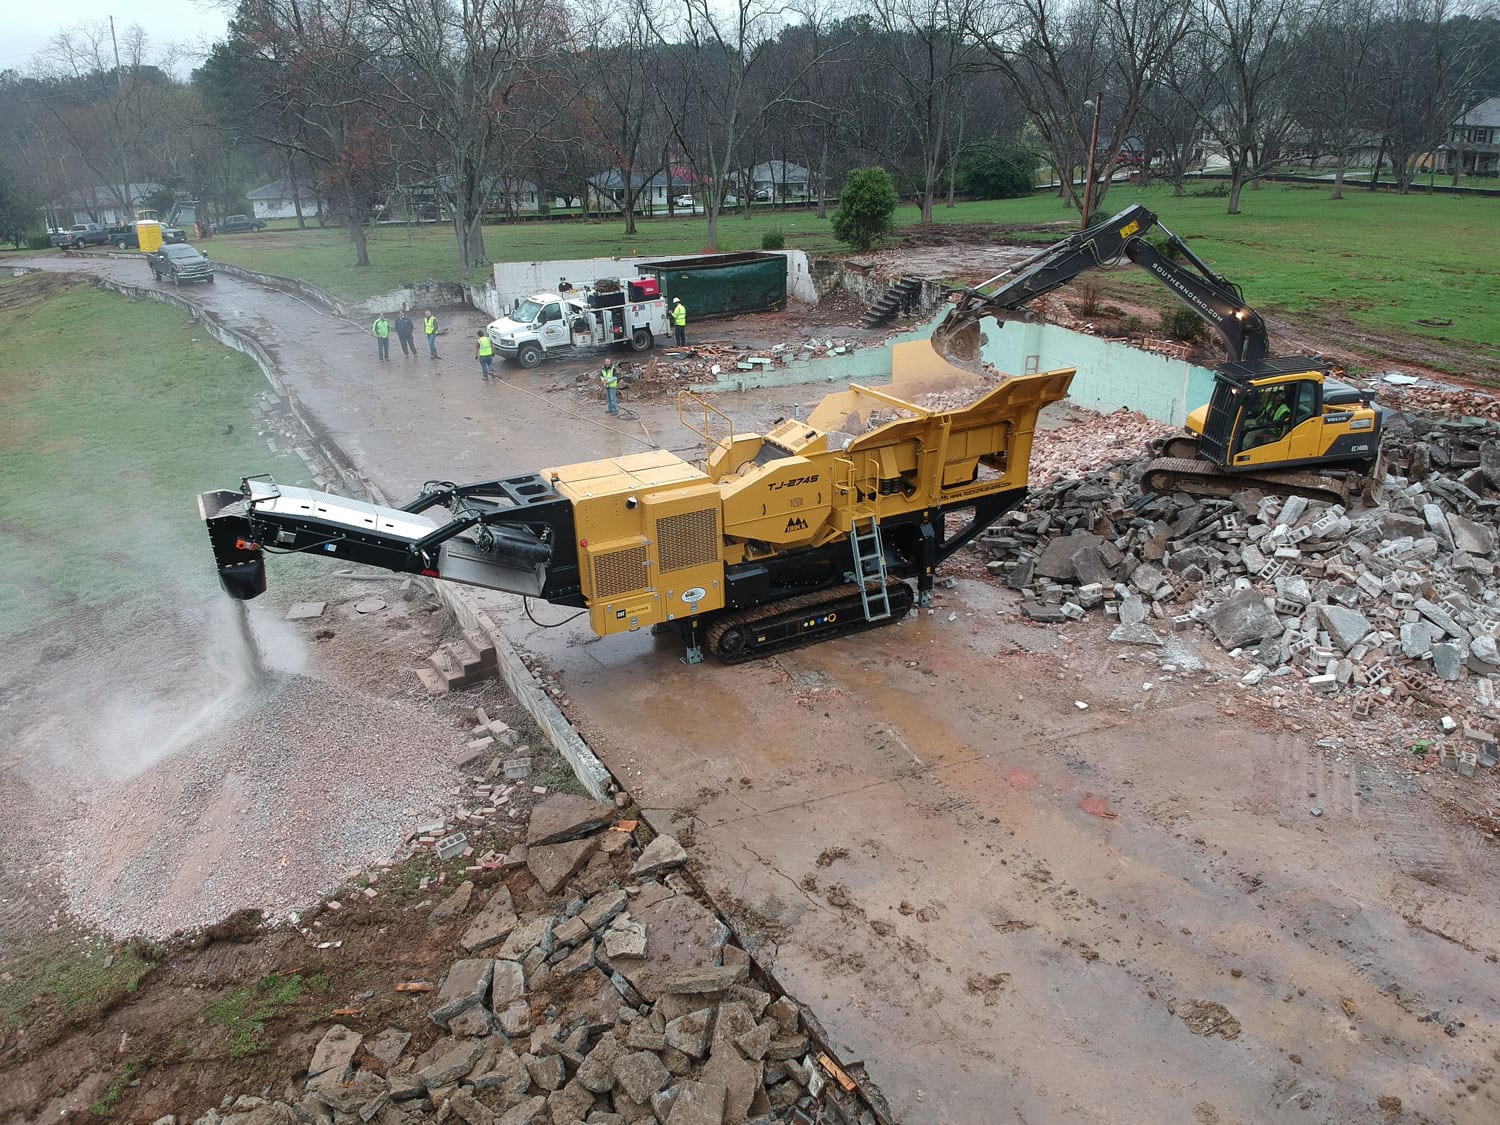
<point>297,785</point>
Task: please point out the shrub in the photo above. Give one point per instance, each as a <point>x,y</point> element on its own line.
<point>1132,325</point>
<point>997,172</point>
<point>38,242</point>
<point>1088,297</point>
<point>773,239</point>
<point>1182,324</point>
<point>865,207</point>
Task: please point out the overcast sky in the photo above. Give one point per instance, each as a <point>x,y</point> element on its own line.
<point>30,25</point>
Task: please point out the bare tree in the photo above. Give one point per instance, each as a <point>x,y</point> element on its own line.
<point>1057,53</point>
<point>105,93</point>
<point>304,76</point>
<point>925,49</point>
<point>1251,68</point>
<point>460,89</point>
<point>713,52</point>
<point>621,73</point>
<point>1428,76</point>
<point>1339,82</point>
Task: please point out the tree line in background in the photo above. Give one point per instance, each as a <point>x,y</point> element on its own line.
<point>352,100</point>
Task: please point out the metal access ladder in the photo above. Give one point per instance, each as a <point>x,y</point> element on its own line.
<point>869,563</point>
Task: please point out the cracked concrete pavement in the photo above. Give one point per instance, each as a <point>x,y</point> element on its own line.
<point>996,899</point>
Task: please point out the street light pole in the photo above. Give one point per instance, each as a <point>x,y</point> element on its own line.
<point>1088,183</point>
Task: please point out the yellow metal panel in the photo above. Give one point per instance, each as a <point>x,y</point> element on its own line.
<point>785,503</point>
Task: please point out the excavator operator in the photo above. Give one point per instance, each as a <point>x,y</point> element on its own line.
<point>1273,419</point>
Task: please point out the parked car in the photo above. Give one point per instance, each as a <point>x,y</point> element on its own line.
<point>56,235</point>
<point>684,201</point>
<point>239,224</point>
<point>763,195</point>
<point>84,234</point>
<point>180,262</point>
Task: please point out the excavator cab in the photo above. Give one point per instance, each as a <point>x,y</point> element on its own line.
<point>1285,412</point>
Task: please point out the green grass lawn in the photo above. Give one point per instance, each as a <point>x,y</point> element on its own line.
<point>1384,260</point>
<point>105,439</point>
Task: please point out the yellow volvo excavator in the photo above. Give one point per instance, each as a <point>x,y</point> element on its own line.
<point>782,538</point>
<point>1280,424</point>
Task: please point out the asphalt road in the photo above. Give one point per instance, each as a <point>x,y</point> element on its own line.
<point>1010,907</point>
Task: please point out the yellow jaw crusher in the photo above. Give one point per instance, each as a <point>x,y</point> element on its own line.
<point>779,539</point>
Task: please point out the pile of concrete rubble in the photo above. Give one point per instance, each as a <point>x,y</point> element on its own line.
<point>1357,601</point>
<point>598,992</point>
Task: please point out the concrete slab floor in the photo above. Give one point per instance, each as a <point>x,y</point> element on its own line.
<point>996,900</point>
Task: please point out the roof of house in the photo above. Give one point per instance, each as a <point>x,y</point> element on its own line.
<point>780,172</point>
<point>276,189</point>
<point>614,180</point>
<point>1486,114</point>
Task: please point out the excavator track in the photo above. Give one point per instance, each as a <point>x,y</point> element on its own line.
<point>748,634</point>
<point>1203,478</point>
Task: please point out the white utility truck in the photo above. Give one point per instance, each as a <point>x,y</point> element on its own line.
<point>630,312</point>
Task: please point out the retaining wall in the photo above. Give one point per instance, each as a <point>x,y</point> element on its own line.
<point>1110,375</point>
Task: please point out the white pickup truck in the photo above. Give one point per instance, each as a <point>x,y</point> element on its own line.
<point>631,313</point>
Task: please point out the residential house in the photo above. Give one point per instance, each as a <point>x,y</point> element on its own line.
<point>278,200</point>
<point>1473,144</point>
<point>103,203</point>
<point>607,190</point>
<point>777,180</point>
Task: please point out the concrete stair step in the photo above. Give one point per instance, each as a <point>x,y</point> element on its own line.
<point>480,644</point>
<point>433,681</point>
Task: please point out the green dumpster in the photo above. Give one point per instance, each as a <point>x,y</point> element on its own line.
<point>720,284</point>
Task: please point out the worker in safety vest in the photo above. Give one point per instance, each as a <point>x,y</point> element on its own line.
<point>1274,420</point>
<point>382,330</point>
<point>679,320</point>
<point>484,349</point>
<point>429,325</point>
<point>611,381</point>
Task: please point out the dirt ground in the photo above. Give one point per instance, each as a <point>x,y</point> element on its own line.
<point>1014,908</point>
<point>238,1009</point>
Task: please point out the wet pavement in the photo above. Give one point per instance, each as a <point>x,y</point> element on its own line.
<point>1009,907</point>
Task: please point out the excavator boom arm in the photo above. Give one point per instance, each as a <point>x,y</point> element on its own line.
<point>1213,297</point>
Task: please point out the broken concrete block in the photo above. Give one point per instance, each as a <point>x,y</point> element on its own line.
<point>450,846</point>
<point>689,1033</point>
<point>452,1060</point>
<point>1484,655</point>
<point>1346,627</point>
<point>698,1103</point>
<point>507,984</point>
<point>1137,634</point>
<point>1417,638</point>
<point>1437,523</point>
<point>333,1058</point>
<point>661,854</point>
<point>1447,661</point>
<point>454,905</point>
<point>1324,683</point>
<point>1241,618</point>
<point>554,864</point>
<point>464,987</point>
<point>625,938</point>
<point>302,611</point>
<point>1057,560</point>
<point>1045,614</point>
<point>1132,610</point>
<point>491,925</point>
<point>561,817</point>
<point>641,1074</point>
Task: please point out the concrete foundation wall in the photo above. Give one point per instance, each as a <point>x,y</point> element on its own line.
<point>1110,375</point>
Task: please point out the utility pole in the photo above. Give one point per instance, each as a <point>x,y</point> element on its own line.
<point>1088,183</point>
<point>125,140</point>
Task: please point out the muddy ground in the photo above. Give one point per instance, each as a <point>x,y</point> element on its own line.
<point>1010,907</point>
